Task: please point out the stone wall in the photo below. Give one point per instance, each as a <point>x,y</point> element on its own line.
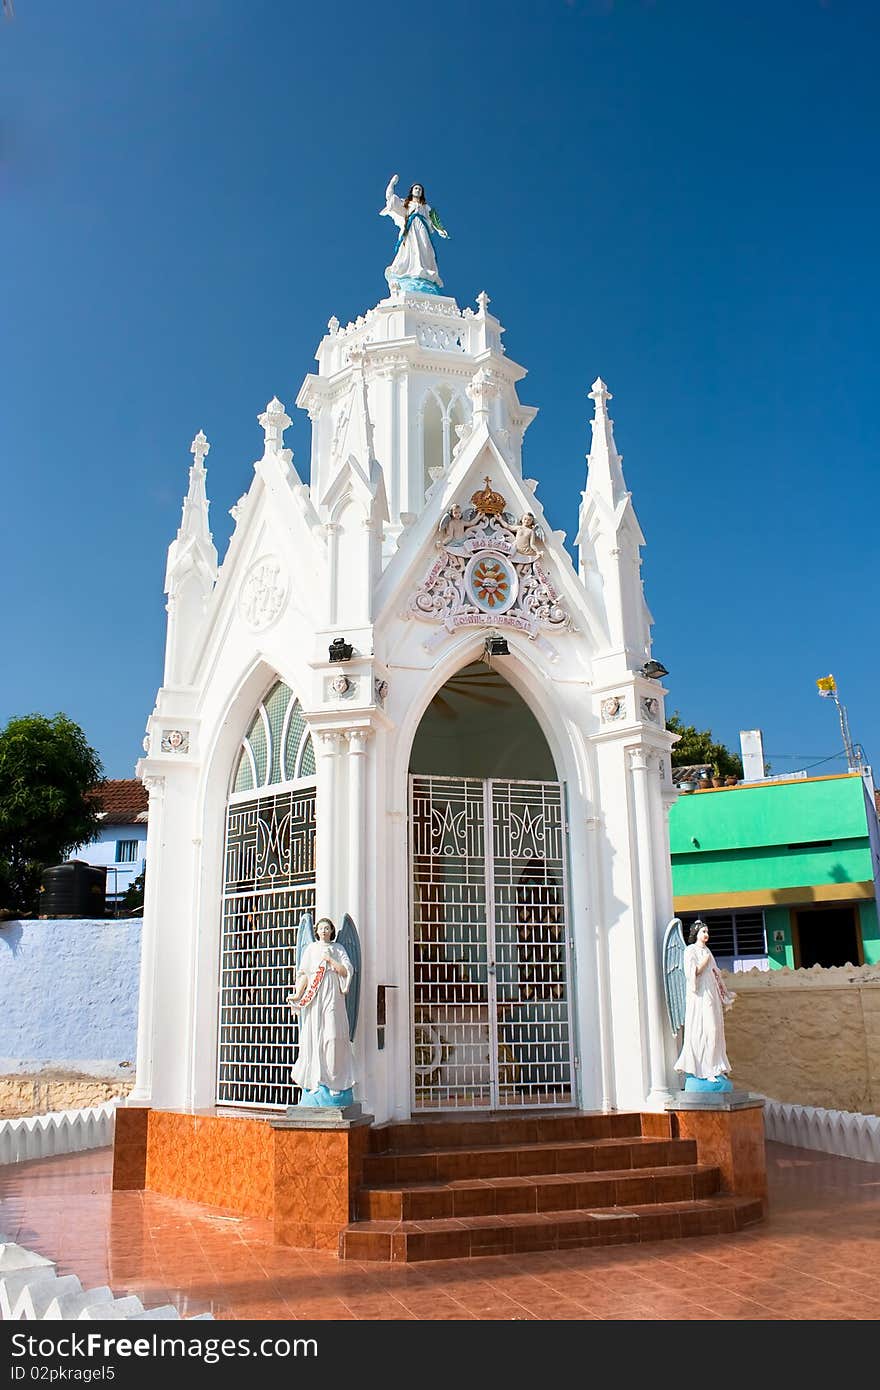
<point>46,1092</point>
<point>68,1020</point>
<point>810,1037</point>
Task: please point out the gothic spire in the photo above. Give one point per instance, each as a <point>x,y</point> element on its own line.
<point>604,463</point>
<point>193,547</point>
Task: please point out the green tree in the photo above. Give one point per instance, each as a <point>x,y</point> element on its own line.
<point>698,746</point>
<point>47,767</point>
<point>134,893</point>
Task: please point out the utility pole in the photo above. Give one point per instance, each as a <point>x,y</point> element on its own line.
<point>827,687</point>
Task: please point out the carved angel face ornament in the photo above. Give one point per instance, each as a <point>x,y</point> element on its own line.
<point>703,935</point>
<point>325,930</point>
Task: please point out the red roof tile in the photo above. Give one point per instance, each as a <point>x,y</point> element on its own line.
<point>124,800</point>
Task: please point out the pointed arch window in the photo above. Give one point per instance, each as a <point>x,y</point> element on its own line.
<point>442,410</point>
<point>277,746</point>
<point>268,883</point>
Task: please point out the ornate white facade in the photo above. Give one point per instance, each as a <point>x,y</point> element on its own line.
<point>414,413</point>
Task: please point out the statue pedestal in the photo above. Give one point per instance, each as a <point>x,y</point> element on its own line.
<point>728,1129</point>
<point>319,1157</point>
<point>300,1171</point>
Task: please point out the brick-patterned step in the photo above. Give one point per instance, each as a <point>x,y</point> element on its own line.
<point>537,1193</point>
<point>451,1238</point>
<point>513,1160</point>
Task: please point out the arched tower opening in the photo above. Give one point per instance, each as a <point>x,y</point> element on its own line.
<point>489,940</point>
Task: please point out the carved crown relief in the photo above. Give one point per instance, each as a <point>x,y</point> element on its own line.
<point>489,571</point>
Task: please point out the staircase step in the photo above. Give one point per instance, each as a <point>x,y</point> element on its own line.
<point>469,1131</point>
<point>537,1192</point>
<point>466,1237</point>
<point>515,1160</point>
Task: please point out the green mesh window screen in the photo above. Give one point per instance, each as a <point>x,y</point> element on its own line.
<point>307,768</point>
<point>296,727</point>
<point>278,737</point>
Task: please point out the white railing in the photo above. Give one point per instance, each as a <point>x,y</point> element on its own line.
<point>59,1132</point>
<point>842,1132</point>
<point>31,1290</point>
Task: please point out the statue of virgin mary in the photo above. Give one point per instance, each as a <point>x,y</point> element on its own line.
<point>415,265</point>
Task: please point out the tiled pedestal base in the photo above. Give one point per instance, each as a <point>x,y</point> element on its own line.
<point>729,1135</point>
<point>301,1179</point>
<point>455,1188</point>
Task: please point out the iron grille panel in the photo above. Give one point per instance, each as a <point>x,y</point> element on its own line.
<point>489,945</point>
<point>269,883</point>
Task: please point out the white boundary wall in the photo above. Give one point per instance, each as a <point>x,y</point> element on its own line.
<point>60,1132</point>
<point>842,1132</point>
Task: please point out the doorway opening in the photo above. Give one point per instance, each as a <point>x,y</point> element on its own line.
<point>828,936</point>
<point>490,947</point>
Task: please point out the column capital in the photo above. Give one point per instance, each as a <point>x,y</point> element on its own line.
<point>329,742</point>
<point>357,739</point>
<point>638,759</point>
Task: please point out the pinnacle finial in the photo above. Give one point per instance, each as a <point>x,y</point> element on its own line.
<point>274,421</point>
<point>200,448</point>
<point>600,394</point>
<point>483,301</point>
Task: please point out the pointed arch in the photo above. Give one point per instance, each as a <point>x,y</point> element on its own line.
<point>443,408</point>
<point>276,746</point>
<point>267,883</point>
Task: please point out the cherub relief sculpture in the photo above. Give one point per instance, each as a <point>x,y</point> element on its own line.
<point>526,536</point>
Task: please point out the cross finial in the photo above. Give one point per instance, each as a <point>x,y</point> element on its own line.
<point>200,448</point>
<point>483,301</point>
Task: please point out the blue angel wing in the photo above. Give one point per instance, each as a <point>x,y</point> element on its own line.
<point>350,942</point>
<point>674,982</point>
<point>304,937</point>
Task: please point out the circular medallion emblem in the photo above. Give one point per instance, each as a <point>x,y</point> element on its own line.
<point>263,593</point>
<point>490,583</point>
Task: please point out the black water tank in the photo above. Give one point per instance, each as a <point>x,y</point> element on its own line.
<point>74,889</point>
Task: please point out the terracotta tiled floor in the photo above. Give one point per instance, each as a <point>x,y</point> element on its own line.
<point>817,1256</point>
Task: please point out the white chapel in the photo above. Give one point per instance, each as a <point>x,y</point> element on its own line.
<point>397,698</point>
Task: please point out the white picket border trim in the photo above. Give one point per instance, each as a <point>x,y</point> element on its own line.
<point>59,1132</point>
<point>842,1132</point>
<point>31,1290</point>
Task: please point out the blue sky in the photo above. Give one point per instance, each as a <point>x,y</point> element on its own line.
<point>679,195</point>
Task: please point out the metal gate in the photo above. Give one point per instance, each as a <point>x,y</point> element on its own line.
<point>490,946</point>
<point>269,881</point>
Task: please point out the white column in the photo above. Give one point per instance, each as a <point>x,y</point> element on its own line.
<point>333,571</point>
<point>327,746</point>
<point>603,973</point>
<point>357,829</point>
<point>640,765</point>
<point>147,994</point>
<point>356,905</point>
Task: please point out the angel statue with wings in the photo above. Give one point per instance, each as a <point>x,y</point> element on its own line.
<point>696,998</point>
<point>415,265</point>
<point>326,999</point>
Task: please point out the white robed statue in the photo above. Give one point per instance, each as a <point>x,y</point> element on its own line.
<point>696,999</point>
<point>415,265</point>
<point>326,999</point>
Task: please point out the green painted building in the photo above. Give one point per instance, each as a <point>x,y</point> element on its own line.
<point>783,872</point>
